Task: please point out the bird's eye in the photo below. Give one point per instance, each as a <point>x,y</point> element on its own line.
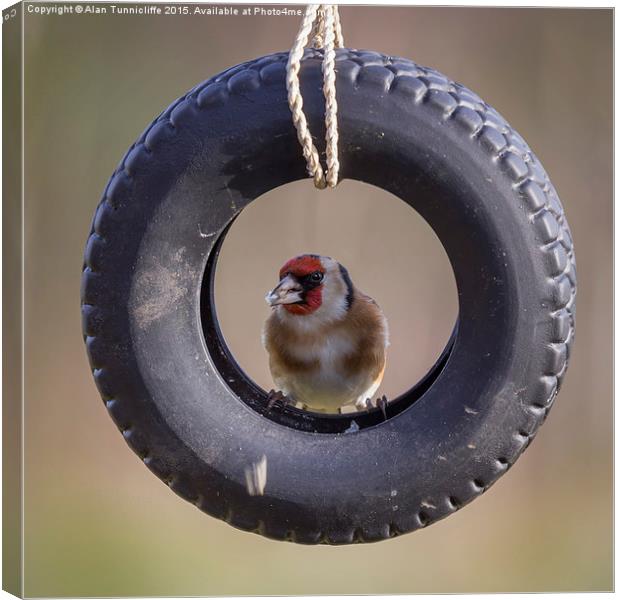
<point>316,276</point>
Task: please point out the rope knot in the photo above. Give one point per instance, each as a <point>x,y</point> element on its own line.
<point>321,24</point>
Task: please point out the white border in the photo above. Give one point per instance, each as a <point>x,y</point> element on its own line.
<point>455,3</point>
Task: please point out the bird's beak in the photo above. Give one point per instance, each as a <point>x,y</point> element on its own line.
<point>288,291</point>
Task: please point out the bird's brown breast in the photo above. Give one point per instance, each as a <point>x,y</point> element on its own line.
<point>358,340</point>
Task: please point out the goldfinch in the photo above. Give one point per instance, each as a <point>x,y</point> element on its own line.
<point>326,340</point>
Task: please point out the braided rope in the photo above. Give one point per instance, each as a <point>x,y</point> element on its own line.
<point>321,24</point>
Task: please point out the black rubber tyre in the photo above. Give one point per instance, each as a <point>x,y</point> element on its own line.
<point>195,419</point>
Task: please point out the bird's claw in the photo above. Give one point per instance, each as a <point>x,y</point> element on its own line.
<point>379,403</point>
<point>382,404</point>
<point>274,398</point>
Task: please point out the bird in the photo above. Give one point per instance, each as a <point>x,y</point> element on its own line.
<point>326,339</point>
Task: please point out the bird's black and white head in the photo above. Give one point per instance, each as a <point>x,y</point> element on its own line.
<point>312,288</point>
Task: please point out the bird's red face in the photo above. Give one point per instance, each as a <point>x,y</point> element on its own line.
<point>300,290</point>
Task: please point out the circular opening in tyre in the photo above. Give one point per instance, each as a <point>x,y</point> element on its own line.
<point>392,255</point>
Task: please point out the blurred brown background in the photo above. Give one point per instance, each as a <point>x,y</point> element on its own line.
<point>97,522</point>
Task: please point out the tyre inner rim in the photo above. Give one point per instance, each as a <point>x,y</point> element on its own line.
<point>256,398</point>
